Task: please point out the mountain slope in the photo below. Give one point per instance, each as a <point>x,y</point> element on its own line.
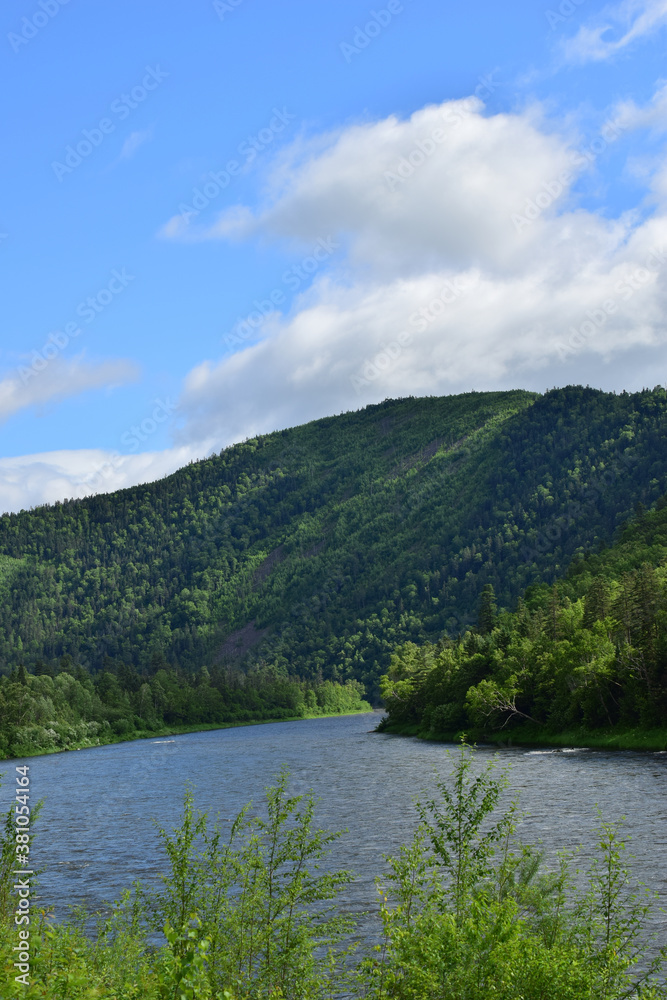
<point>320,548</point>
<point>589,653</point>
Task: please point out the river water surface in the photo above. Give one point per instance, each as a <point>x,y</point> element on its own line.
<point>96,835</point>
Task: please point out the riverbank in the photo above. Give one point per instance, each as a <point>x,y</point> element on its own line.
<point>529,735</point>
<point>147,734</point>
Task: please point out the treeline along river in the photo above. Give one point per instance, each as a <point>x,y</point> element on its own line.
<point>96,833</point>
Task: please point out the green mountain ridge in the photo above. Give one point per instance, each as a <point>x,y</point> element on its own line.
<point>316,550</point>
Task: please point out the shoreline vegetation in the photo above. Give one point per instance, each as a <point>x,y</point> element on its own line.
<point>253,910</point>
<point>183,730</point>
<point>66,708</point>
<point>648,740</point>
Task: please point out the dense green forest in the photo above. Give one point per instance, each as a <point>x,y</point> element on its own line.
<point>587,653</point>
<point>68,708</point>
<point>255,909</point>
<point>312,553</point>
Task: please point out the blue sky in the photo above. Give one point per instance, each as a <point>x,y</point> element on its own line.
<point>223,218</point>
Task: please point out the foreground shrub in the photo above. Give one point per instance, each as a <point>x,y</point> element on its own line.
<point>467,913</point>
<point>470,914</point>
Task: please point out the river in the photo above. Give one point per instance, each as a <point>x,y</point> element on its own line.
<point>96,833</point>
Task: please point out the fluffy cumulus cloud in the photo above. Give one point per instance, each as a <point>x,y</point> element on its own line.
<point>45,380</point>
<point>440,186</point>
<point>441,253</point>
<point>31,480</point>
<point>618,27</point>
<point>465,262</point>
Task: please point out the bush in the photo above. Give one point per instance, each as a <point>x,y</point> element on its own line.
<point>467,914</point>
<point>122,726</point>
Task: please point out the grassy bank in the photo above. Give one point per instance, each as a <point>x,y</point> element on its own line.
<point>529,735</point>
<point>145,734</point>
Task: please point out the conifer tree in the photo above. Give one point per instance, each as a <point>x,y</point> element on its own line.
<point>486,618</point>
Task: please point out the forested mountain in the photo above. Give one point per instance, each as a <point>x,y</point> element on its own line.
<point>589,652</point>
<point>313,552</point>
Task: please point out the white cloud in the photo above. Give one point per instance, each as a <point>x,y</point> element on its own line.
<point>483,204</point>
<point>475,172</point>
<point>58,378</point>
<point>633,19</point>
<point>234,222</point>
<point>652,116</point>
<point>31,480</point>
<point>466,263</point>
<point>133,142</point>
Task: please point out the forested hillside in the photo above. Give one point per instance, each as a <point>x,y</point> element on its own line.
<point>588,653</point>
<point>313,552</point>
